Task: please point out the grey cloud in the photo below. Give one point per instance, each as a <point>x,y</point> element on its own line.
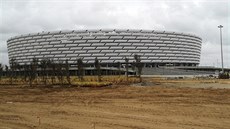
<point>197,17</point>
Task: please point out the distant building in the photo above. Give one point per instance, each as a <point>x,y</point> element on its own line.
<point>156,48</point>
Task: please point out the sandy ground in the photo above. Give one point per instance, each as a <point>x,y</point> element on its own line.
<point>163,106</point>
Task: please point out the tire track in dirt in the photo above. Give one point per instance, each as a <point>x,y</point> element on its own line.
<point>120,108</point>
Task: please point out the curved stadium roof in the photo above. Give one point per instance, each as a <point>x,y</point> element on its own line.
<point>108,45</point>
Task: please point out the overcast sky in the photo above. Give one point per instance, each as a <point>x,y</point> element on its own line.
<point>199,17</point>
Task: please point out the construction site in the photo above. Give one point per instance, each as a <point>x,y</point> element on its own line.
<point>157,102</point>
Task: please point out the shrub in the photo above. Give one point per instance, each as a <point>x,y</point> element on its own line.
<point>223,76</point>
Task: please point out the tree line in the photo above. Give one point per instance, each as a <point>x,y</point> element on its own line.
<point>49,69</point>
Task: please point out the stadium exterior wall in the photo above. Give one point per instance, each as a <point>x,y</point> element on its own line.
<point>109,46</point>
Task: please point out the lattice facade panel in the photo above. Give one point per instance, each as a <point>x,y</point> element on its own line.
<point>107,45</point>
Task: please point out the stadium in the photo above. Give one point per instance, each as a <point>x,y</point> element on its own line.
<point>109,46</point>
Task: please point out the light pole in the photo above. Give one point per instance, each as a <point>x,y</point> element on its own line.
<point>220,26</point>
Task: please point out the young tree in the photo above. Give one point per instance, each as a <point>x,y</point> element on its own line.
<point>48,69</point>
<point>127,68</point>
<point>7,70</point>
<point>1,71</point>
<point>59,67</point>
<point>119,68</point>
<point>53,66</point>
<point>31,74</point>
<point>18,69</point>
<point>67,72</point>
<point>26,71</point>
<point>80,67</point>
<point>12,70</point>
<point>133,68</point>
<point>44,70</point>
<point>34,66</point>
<point>139,66</point>
<point>98,68</point>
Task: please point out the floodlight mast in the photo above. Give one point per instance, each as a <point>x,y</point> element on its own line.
<point>222,62</point>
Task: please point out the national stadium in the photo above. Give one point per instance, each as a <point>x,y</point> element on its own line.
<point>156,48</point>
<point>161,52</point>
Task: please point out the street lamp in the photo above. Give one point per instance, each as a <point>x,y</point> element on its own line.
<point>220,26</point>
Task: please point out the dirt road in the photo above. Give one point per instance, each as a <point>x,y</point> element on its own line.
<point>116,107</point>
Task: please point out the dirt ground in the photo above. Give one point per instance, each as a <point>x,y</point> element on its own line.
<point>161,106</point>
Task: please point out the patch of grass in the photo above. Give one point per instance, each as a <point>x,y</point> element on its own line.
<point>91,84</point>
<point>88,81</point>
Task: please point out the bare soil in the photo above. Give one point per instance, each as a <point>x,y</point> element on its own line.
<point>162,106</point>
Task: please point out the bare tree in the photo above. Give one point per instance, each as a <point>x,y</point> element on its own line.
<point>133,68</point>
<point>31,70</point>
<point>18,69</point>
<point>53,66</point>
<point>34,66</point>
<point>127,68</point>
<point>26,71</point>
<point>60,74</point>
<point>1,71</point>
<point>80,67</point>
<point>12,70</point>
<point>49,69</point>
<point>31,74</point>
<point>7,70</point>
<point>44,70</point>
<point>139,65</point>
<point>98,68</point>
<point>119,68</point>
<point>67,72</point>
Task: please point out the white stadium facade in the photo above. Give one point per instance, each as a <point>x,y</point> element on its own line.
<point>109,46</point>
